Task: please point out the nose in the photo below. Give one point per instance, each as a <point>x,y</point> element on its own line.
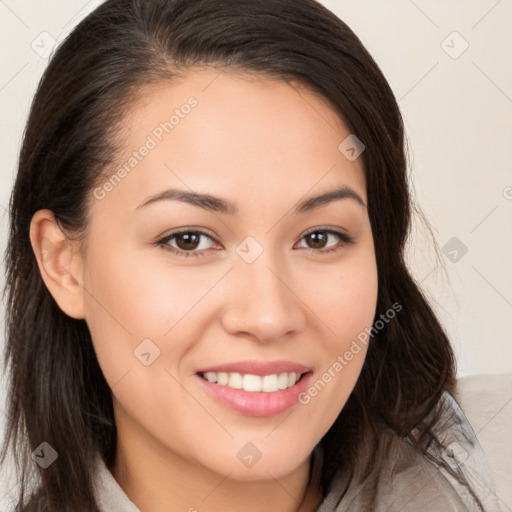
<point>261,301</point>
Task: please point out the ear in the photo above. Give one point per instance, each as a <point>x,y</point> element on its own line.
<point>60,263</point>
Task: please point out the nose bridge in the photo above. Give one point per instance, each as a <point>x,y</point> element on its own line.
<point>262,302</point>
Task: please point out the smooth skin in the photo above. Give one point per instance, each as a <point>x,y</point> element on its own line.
<point>264,145</point>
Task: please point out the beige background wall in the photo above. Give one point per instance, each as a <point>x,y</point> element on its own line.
<point>450,66</point>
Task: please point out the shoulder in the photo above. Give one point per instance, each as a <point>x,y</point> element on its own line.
<point>405,481</point>
<point>445,476</point>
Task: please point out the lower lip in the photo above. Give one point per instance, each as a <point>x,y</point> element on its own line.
<point>257,403</point>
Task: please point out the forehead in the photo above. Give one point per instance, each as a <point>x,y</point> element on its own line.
<point>224,132</point>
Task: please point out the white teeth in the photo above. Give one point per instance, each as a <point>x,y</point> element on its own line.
<point>282,381</point>
<point>211,376</point>
<point>269,383</point>
<point>222,378</point>
<point>252,382</point>
<point>235,381</point>
<point>248,382</point>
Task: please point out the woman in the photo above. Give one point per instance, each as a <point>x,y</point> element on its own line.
<point>208,305</point>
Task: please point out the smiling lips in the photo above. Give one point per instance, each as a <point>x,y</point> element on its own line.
<point>255,388</point>
<point>253,376</point>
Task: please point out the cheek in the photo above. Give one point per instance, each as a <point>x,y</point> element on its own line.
<point>133,298</point>
<point>139,294</point>
<point>347,302</point>
<point>128,302</point>
<point>347,308</point>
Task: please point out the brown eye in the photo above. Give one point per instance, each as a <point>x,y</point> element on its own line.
<point>186,243</point>
<point>317,240</point>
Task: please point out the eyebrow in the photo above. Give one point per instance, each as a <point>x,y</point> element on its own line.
<point>217,204</point>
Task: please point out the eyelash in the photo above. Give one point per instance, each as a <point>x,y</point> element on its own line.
<point>345,240</point>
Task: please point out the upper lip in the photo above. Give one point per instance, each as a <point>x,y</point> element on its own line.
<point>257,367</point>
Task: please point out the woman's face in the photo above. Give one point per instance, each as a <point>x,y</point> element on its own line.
<point>254,291</point>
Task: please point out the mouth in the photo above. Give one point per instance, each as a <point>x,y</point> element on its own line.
<point>251,383</point>
<point>255,388</point>
<point>255,395</point>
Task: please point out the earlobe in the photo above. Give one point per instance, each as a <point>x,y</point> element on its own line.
<point>59,261</point>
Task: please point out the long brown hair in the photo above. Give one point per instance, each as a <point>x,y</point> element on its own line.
<point>57,392</point>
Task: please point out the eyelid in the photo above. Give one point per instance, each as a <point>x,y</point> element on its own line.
<point>326,229</point>
<point>163,241</point>
<point>342,234</point>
